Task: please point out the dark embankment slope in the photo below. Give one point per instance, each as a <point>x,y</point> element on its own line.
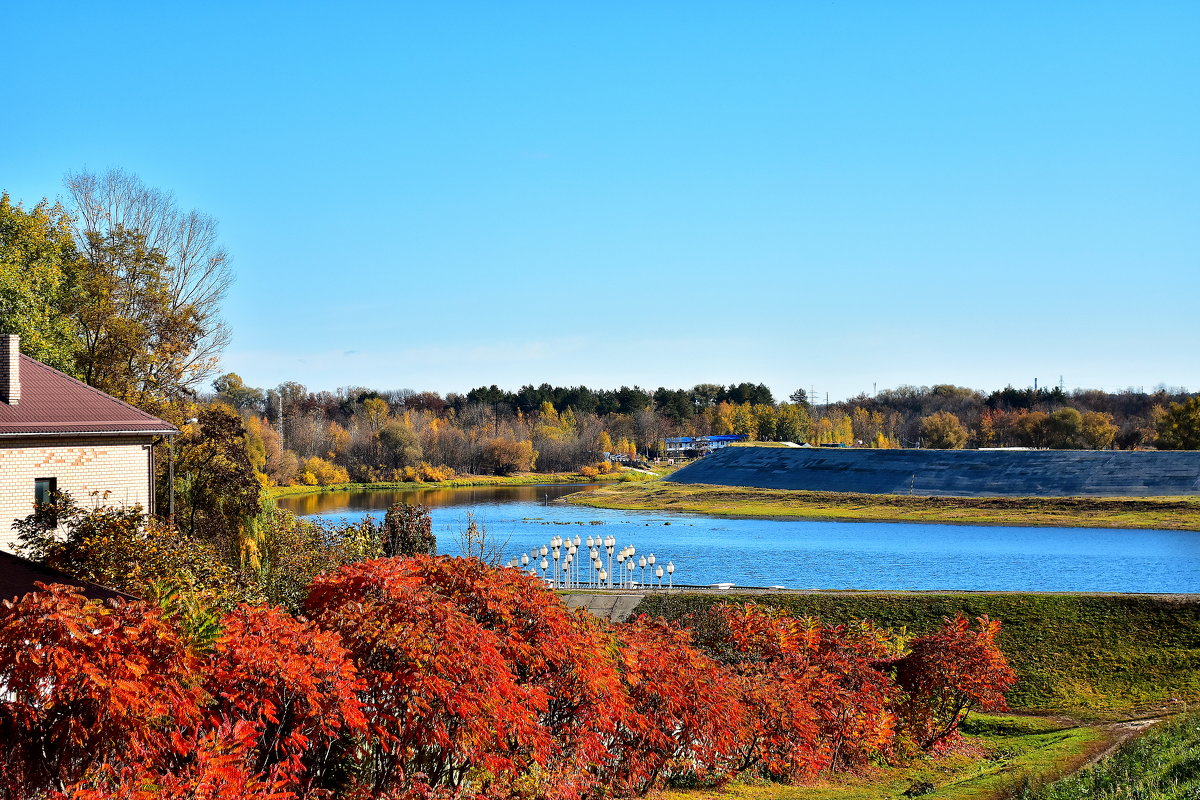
<point>1091,654</point>
<point>953,473</point>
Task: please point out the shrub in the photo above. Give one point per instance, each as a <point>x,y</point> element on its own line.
<point>90,689</point>
<point>949,673</point>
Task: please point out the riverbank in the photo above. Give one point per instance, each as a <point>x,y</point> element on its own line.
<point>1164,513</point>
<point>524,479</point>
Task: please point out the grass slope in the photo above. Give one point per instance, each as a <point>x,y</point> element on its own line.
<point>1163,764</point>
<point>1003,753</point>
<point>1090,655</point>
<point>1174,513</point>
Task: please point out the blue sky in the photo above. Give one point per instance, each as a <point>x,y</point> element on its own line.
<point>831,194</point>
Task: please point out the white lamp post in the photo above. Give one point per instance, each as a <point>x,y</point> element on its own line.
<point>658,573</point>
<point>670,575</point>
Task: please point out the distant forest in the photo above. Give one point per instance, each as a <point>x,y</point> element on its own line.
<point>363,434</point>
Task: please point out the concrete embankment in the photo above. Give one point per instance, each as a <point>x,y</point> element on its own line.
<point>953,473</point>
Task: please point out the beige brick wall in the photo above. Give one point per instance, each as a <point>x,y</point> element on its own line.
<point>111,471</point>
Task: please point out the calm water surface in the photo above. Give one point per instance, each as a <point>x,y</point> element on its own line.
<point>803,555</point>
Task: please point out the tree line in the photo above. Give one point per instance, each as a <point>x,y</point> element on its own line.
<point>361,434</point>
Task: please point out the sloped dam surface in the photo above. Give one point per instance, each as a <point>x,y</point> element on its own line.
<point>953,473</point>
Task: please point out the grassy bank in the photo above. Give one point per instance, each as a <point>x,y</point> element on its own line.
<point>1090,655</point>
<point>1163,764</point>
<point>526,479</point>
<point>1001,753</point>
<point>1174,513</point>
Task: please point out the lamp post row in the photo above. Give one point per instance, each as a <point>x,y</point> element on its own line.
<point>566,571</point>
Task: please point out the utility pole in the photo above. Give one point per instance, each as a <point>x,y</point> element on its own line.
<point>282,442</point>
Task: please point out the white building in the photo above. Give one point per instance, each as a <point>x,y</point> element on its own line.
<point>58,434</point>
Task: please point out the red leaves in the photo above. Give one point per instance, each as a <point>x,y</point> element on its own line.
<point>439,678</point>
<point>814,700</point>
<point>87,683</point>
<point>947,674</point>
<point>291,683</point>
<point>684,715</point>
<point>439,693</point>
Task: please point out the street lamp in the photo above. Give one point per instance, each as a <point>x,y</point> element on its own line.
<point>670,575</point>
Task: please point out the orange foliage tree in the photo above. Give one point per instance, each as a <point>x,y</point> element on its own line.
<point>90,689</point>
<point>947,674</point>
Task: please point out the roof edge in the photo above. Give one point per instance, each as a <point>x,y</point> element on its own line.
<point>149,416</point>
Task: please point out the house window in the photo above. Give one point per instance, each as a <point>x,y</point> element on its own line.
<point>44,490</point>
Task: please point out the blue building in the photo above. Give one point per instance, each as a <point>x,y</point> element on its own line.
<point>699,445</point>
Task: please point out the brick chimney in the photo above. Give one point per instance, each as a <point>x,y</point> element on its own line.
<point>10,369</point>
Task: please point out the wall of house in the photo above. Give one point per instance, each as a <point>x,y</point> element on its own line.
<point>112,471</point>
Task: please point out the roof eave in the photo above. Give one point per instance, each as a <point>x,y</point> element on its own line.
<point>17,434</point>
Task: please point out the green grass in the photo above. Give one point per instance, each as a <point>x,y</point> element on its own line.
<point>1005,752</point>
<point>1163,764</point>
<point>1174,513</point>
<point>1090,655</point>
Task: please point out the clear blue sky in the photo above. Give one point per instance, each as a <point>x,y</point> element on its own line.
<point>828,194</point>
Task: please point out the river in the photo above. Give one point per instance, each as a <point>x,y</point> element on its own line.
<point>803,554</point>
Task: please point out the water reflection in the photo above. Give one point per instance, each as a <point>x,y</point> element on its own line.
<point>331,503</point>
<point>801,554</point>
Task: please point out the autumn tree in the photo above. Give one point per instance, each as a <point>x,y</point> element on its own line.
<point>135,341</point>
<point>441,699</point>
<point>943,431</point>
<point>1097,430</point>
<point>194,269</point>
<point>38,270</point>
<point>949,673</point>
<point>216,485</point>
<point>231,389</point>
<point>1179,427</point>
<point>296,687</point>
<point>408,531</point>
<point>685,715</point>
<point>89,689</point>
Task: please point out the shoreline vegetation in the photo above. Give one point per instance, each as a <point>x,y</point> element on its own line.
<point>1164,513</point>
<point>465,481</point>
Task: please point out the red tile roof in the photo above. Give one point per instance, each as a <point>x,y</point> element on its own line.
<point>54,403</point>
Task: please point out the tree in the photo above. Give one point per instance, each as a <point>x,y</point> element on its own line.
<point>136,341</point>
<point>408,531</point>
<point>1179,427</point>
<point>441,698</point>
<point>685,715</point>
<point>1098,431</point>
<point>233,390</point>
<point>216,484</point>
<point>1064,429</point>
<point>942,430</point>
<point>197,268</point>
<point>296,687</point>
<point>89,686</point>
<point>947,674</point>
<point>38,270</point>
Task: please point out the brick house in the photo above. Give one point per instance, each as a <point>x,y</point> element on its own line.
<point>58,434</point>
